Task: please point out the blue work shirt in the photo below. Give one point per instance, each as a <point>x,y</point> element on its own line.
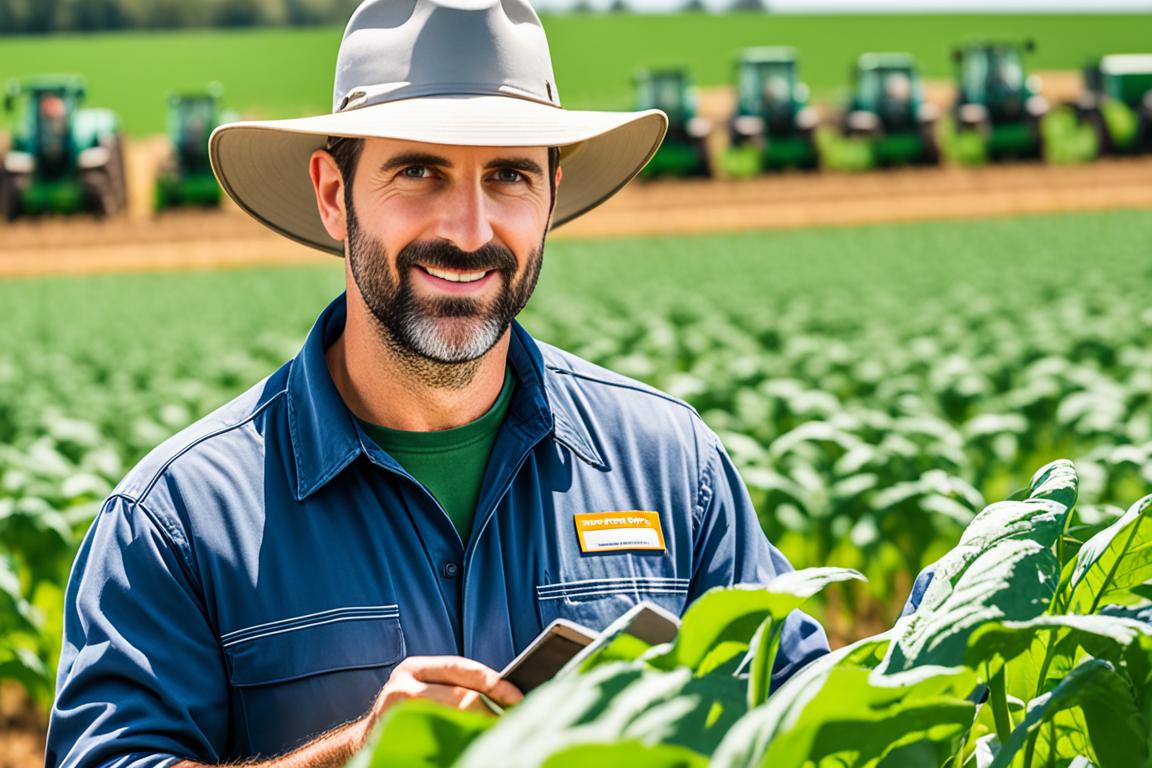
<point>255,579</point>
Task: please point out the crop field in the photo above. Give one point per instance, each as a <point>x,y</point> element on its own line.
<point>287,72</point>
<point>877,386</point>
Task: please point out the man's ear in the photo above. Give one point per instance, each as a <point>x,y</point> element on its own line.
<point>555,191</point>
<point>328,185</point>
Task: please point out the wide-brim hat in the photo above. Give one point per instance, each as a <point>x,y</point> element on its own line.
<point>455,72</point>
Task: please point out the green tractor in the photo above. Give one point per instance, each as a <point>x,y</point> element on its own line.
<point>998,105</point>
<point>773,126</point>
<point>887,111</point>
<point>685,148</point>
<point>63,158</point>
<point>1117,103</point>
<point>186,177</point>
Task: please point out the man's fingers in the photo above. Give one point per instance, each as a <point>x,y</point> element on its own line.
<point>466,673</point>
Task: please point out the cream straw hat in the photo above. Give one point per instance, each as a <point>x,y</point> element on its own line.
<point>457,72</point>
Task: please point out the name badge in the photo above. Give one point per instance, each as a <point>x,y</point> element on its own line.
<point>613,531</point>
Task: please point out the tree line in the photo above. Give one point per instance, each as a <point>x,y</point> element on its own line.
<point>47,16</point>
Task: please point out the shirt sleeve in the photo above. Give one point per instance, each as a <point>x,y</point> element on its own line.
<point>731,548</point>
<point>141,682</point>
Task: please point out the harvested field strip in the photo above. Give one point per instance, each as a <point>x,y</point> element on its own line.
<point>198,239</point>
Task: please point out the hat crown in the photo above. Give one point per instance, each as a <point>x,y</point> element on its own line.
<point>399,49</point>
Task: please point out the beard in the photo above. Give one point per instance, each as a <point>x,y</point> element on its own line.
<point>443,332</point>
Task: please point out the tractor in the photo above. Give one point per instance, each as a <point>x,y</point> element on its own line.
<point>888,112</point>
<point>997,102</point>
<point>685,148</point>
<point>186,177</point>
<point>63,158</point>
<point>1117,103</point>
<point>773,126</point>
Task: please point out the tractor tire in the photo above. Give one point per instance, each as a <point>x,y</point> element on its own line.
<point>10,207</point>
<point>1095,119</point>
<point>117,176</point>
<point>930,154</point>
<point>100,194</point>
<point>703,168</point>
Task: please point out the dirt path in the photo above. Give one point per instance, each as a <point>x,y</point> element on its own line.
<point>207,239</point>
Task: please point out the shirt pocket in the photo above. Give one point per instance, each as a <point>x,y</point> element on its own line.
<point>297,678</point>
<point>596,603</point>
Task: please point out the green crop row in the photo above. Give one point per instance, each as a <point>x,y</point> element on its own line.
<point>1030,647</point>
<point>287,72</point>
<point>876,386</point>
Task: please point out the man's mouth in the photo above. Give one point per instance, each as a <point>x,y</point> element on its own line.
<point>456,277</point>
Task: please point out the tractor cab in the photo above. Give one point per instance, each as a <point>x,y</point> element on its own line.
<point>994,86</point>
<point>888,87</point>
<point>191,119</point>
<point>1117,102</point>
<point>684,151</point>
<point>772,127</point>
<point>186,176</point>
<point>669,90</point>
<point>768,88</point>
<point>887,110</point>
<point>42,112</point>
<point>63,156</point>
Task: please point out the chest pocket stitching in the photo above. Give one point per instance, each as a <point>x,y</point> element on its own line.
<point>317,648</point>
<point>304,621</point>
<point>613,586</point>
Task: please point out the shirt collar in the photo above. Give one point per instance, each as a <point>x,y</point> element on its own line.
<point>325,436</point>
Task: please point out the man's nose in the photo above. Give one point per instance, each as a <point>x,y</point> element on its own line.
<point>464,220</point>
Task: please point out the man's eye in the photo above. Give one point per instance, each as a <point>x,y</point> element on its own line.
<point>416,172</point>
<point>509,176</point>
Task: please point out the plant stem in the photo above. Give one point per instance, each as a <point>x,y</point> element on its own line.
<point>998,695</point>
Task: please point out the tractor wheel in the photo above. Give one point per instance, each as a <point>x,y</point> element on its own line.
<point>703,167</point>
<point>1095,119</point>
<point>930,153</point>
<point>116,175</point>
<point>9,196</point>
<point>100,195</point>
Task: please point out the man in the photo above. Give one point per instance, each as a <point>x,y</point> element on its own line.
<point>405,505</point>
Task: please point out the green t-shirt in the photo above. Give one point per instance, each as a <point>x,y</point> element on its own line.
<point>450,463</point>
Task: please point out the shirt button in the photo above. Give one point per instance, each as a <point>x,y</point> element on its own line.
<point>450,570</point>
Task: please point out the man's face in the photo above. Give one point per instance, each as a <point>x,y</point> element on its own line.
<point>445,243</point>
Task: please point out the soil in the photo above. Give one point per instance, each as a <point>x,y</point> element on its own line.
<point>22,730</point>
<point>202,239</point>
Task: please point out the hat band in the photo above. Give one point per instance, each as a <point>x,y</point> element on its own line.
<point>381,93</point>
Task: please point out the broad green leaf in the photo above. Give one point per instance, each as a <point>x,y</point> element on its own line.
<point>1114,561</point>
<point>16,613</point>
<point>720,624</point>
<point>835,713</point>
<point>419,733</point>
<point>627,754</point>
<point>608,704</point>
<point>1106,637</point>
<point>1013,580</point>
<point>1113,726</point>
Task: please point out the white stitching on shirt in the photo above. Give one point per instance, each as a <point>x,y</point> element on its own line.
<point>377,609</point>
<point>613,591</point>
<point>336,620</point>
<point>582,583</point>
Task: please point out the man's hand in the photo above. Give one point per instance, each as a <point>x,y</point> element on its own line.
<point>451,680</point>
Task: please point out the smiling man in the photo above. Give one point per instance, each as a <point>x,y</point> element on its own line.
<point>400,509</point>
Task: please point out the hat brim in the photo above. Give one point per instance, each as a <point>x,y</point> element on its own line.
<point>263,165</point>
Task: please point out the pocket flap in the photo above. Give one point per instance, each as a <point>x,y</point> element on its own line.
<point>302,649</point>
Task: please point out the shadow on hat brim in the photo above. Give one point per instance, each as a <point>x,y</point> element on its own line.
<point>263,165</point>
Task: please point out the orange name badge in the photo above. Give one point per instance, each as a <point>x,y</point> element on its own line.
<point>614,531</point>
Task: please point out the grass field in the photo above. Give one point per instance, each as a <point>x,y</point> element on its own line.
<point>286,72</point>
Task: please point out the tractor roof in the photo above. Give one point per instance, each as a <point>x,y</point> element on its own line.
<point>1126,64</point>
<point>886,61</point>
<point>52,82</point>
<point>779,54</point>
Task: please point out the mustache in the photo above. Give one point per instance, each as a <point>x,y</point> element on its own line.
<point>444,255</point>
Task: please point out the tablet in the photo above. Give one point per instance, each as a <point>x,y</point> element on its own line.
<point>547,654</point>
